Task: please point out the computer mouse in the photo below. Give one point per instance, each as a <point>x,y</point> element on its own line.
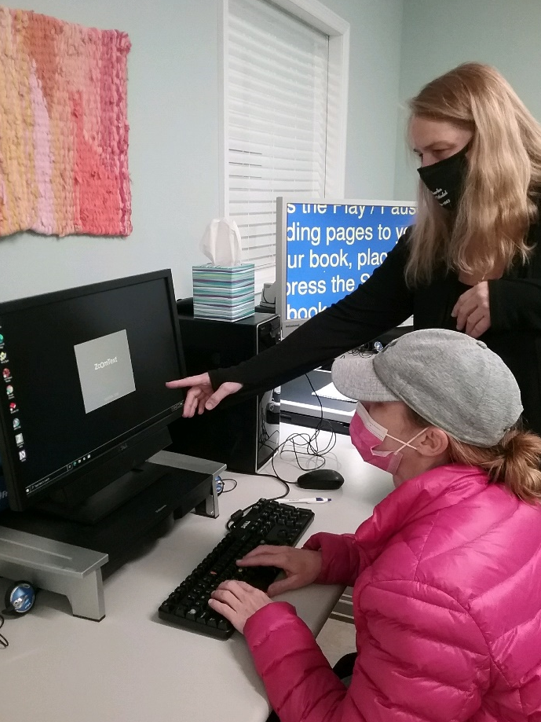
<point>320,479</point>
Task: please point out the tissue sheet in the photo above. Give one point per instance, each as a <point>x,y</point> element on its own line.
<point>221,242</point>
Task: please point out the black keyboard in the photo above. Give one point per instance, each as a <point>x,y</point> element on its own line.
<point>267,522</point>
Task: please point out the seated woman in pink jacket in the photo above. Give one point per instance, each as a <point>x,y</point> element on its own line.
<point>446,572</point>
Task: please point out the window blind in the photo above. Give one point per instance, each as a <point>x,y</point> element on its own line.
<point>276,121</point>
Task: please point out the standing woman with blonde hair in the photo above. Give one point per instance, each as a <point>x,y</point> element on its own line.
<point>471,263</point>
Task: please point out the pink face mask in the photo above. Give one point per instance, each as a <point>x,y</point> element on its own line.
<point>366,434</point>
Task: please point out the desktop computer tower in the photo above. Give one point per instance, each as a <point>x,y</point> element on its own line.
<point>242,434</point>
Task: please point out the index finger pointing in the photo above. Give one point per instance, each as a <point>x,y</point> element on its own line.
<point>188,381</point>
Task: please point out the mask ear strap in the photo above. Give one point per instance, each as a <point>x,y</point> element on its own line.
<point>407,443</point>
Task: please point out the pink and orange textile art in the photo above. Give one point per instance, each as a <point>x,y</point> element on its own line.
<point>63,127</point>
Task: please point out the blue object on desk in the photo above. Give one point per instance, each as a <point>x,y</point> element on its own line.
<point>20,598</point>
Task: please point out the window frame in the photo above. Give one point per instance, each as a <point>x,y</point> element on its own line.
<point>320,17</point>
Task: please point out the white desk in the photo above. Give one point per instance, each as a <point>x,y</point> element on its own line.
<point>131,667</point>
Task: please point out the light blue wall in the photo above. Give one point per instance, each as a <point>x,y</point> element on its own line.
<point>374,75</point>
<point>173,109</point>
<point>174,101</point>
<point>173,116</point>
<point>440,34</point>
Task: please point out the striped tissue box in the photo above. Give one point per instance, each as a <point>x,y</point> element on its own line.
<point>223,292</point>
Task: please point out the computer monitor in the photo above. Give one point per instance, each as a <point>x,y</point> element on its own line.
<point>326,248</point>
<point>82,389</point>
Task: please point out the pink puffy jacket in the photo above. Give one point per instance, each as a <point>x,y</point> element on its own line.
<point>447,600</point>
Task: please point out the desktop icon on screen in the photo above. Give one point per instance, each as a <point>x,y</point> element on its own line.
<point>16,423</point>
<point>19,439</point>
<point>1,340</point>
<point>3,357</point>
<point>22,455</point>
<point>9,391</point>
<point>6,373</point>
<point>12,407</point>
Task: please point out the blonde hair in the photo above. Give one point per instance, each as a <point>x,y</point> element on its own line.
<point>513,462</point>
<point>503,178</point>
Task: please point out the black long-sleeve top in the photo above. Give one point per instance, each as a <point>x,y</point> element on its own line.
<point>385,300</point>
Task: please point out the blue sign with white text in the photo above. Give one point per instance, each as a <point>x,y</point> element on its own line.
<point>333,247</point>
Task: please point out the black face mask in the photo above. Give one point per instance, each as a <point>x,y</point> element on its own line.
<point>445,179</point>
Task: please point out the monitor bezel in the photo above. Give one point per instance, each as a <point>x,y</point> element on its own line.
<point>126,442</point>
<point>289,325</point>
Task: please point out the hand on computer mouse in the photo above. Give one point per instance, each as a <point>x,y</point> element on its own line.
<point>201,396</point>
<point>301,566</point>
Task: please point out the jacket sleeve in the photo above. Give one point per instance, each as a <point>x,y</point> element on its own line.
<point>421,657</point>
<point>341,557</point>
<point>515,304</point>
<point>381,303</point>
<point>515,300</point>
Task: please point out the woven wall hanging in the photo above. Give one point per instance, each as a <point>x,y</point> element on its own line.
<point>63,127</point>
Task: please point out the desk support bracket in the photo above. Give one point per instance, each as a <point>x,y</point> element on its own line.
<point>57,567</point>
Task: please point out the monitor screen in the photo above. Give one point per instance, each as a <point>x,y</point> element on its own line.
<point>326,248</point>
<point>83,377</point>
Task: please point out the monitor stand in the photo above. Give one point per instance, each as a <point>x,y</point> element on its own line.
<point>145,516</point>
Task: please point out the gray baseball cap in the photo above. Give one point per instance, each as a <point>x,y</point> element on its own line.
<point>453,381</point>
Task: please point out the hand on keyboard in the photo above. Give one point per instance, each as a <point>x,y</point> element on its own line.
<point>237,601</point>
<point>301,566</point>
<point>266,523</point>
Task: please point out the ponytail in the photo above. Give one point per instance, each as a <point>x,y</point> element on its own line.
<point>514,462</point>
